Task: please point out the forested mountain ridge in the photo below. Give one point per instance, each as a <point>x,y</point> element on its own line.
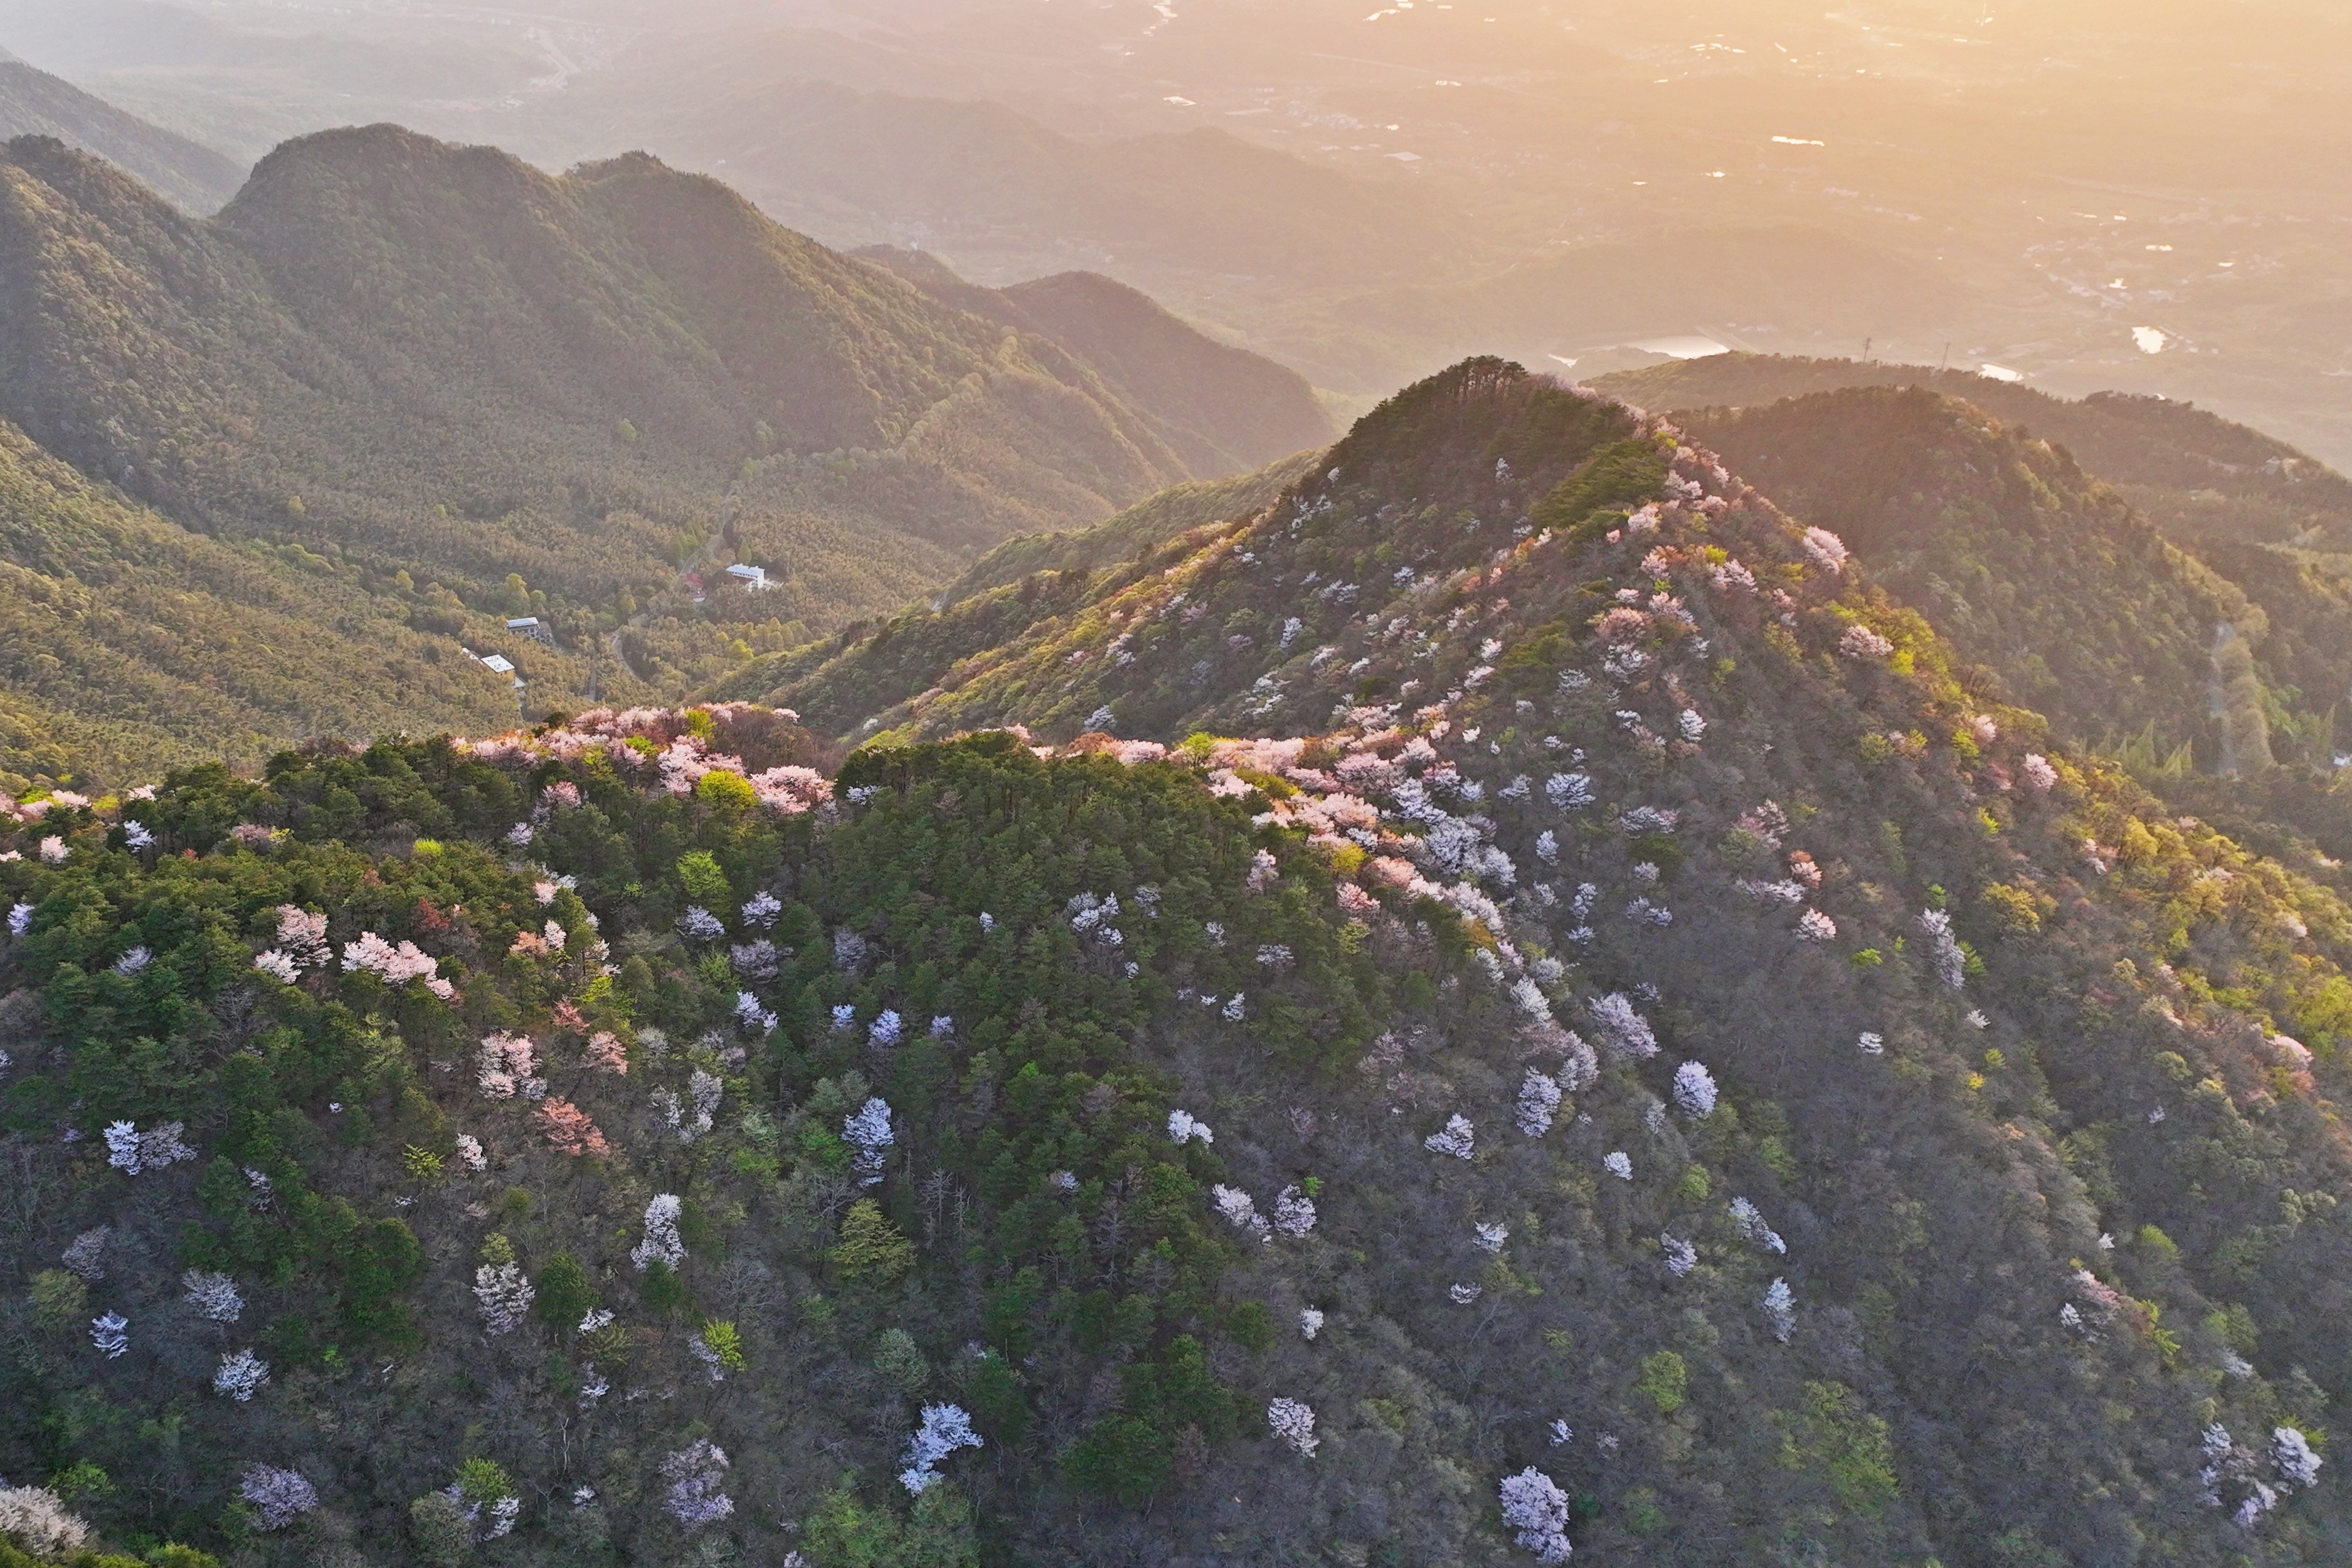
<point>2031,568</point>
<point>2196,474</point>
<point>2251,531</point>
<point>1652,1059</point>
<point>1220,407</point>
<point>475,391</point>
<point>34,103</point>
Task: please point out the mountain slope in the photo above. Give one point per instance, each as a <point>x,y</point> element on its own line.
<point>34,103</point>
<point>1219,408</point>
<point>2199,476</point>
<point>1012,589</point>
<point>570,397</point>
<point>141,645</point>
<point>2029,566</point>
<point>1649,1024</point>
<point>1135,533</point>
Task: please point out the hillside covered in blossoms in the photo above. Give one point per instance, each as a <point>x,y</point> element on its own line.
<point>1513,1004</point>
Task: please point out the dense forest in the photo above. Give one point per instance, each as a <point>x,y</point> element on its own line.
<point>1644,1047</point>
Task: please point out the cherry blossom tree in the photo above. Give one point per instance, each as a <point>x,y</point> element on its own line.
<point>1536,1511</point>
<point>470,1155</point>
<point>756,960</point>
<point>606,1054</point>
<point>110,1334</point>
<point>370,954</point>
<point>85,1258</point>
<point>240,1375</point>
<point>1183,1127</point>
<point>945,1428</point>
<point>867,1131</point>
<point>302,936</point>
<point>1538,1103</point>
<point>695,1475</point>
<point>1950,962</point>
<point>1619,1165</point>
<point>131,1152</point>
<point>1623,1029</point>
<point>2037,774</point>
<point>1828,550</point>
<point>1861,642</point>
<point>507,1065</point>
<point>503,1292</point>
<point>1310,1320</point>
<point>1293,1213</point>
<point>2292,1457</point>
<point>570,1130</point>
<point>36,1519</point>
<point>1750,1220</point>
<point>214,1296</point>
<point>1457,1138</point>
<point>1780,1310</point>
<point>661,1244</point>
<point>1240,1210</point>
<point>1293,1421</point>
<point>277,1497</point>
<point>1694,1090</point>
<point>1680,1256</point>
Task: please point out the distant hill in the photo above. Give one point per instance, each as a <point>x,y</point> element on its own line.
<point>997,190</point>
<point>1219,408</point>
<point>34,103</point>
<point>2195,474</point>
<point>474,391</point>
<point>1567,304</point>
<point>481,389</point>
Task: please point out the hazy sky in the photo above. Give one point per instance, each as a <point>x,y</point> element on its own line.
<point>2149,194</point>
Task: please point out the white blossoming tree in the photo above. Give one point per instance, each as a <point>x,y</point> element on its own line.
<point>867,1131</point>
<point>1293,1421</point>
<point>662,1243</point>
<point>1536,1511</point>
<point>1694,1090</point>
<point>1780,1310</point>
<point>278,1498</point>
<point>1293,1213</point>
<point>945,1428</point>
<point>696,1474</point>
<point>1538,1103</point>
<point>1457,1138</point>
<point>1240,1210</point>
<point>501,1289</point>
<point>214,1296</point>
<point>240,1375</point>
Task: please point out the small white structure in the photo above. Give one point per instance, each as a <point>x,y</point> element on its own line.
<point>752,577</point>
<point>498,664</point>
